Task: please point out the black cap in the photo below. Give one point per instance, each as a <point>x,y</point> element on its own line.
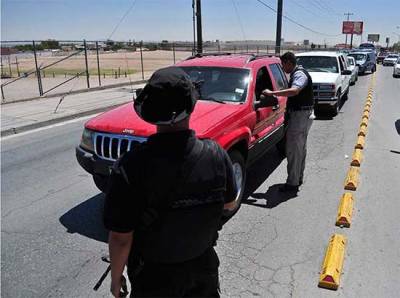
<point>168,97</point>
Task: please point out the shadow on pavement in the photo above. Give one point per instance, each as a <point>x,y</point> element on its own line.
<point>397,125</point>
<point>273,197</point>
<point>259,172</point>
<point>86,219</point>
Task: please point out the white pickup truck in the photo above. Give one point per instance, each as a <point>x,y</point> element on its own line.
<point>330,76</point>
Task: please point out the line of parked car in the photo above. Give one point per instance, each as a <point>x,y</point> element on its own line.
<point>390,59</point>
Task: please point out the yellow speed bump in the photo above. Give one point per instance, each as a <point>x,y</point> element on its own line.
<point>364,122</point>
<point>363,131</point>
<point>367,109</point>
<point>365,115</point>
<point>367,105</point>
<point>356,158</point>
<point>345,211</point>
<point>333,263</point>
<point>351,182</point>
<point>360,142</point>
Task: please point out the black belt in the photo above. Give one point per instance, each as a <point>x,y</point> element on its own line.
<point>305,108</point>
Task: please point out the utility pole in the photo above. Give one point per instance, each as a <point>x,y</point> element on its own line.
<point>279,28</point>
<point>199,29</point>
<point>348,14</point>
<point>194,28</point>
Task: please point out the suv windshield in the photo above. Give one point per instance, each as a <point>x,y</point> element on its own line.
<point>220,83</point>
<point>358,57</point>
<point>318,63</point>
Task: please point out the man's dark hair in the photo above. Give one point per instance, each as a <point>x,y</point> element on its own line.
<point>289,57</point>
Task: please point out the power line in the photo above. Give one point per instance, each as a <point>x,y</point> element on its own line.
<point>240,21</point>
<point>297,23</point>
<point>122,18</point>
<point>305,8</point>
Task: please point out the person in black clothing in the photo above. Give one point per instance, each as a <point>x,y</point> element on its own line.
<point>298,119</point>
<point>166,198</point>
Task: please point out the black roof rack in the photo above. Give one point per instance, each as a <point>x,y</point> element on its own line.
<point>200,55</point>
<point>252,56</point>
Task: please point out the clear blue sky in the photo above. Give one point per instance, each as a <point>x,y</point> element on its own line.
<point>172,19</point>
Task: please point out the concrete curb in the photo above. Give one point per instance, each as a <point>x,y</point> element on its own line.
<point>75,92</point>
<point>23,128</point>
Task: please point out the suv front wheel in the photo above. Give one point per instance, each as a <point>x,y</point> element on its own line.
<point>239,171</point>
<point>101,182</point>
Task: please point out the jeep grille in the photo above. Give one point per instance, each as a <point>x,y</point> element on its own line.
<point>111,147</point>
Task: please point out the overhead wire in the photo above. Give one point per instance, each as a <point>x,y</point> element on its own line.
<point>239,20</point>
<point>122,18</point>
<point>297,23</point>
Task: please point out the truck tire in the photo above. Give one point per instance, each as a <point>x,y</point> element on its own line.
<point>335,109</point>
<point>101,182</point>
<point>346,95</point>
<point>239,170</point>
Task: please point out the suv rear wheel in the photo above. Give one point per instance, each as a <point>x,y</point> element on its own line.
<point>239,171</point>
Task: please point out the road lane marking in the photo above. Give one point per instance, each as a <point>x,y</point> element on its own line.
<point>48,127</point>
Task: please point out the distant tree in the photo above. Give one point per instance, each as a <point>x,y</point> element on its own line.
<point>50,44</point>
<point>396,47</point>
<point>28,47</point>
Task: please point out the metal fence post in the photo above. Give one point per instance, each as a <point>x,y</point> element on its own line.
<point>86,64</point>
<point>16,62</point>
<point>2,94</point>
<point>37,70</point>
<point>173,50</point>
<point>141,58</point>
<point>98,62</point>
<point>9,65</point>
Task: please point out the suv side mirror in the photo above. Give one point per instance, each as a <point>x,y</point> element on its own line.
<point>346,72</point>
<point>266,101</point>
<point>136,93</point>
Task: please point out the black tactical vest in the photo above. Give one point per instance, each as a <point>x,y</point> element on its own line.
<point>306,96</point>
<point>181,223</point>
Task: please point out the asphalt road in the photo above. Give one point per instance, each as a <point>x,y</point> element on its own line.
<point>52,237</point>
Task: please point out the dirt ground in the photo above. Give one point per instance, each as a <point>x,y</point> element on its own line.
<point>110,63</point>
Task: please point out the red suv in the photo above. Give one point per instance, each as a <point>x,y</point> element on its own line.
<point>230,112</point>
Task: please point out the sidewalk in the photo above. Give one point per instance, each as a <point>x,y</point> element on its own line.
<point>22,116</point>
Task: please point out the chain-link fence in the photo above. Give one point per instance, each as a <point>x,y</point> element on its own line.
<point>38,68</point>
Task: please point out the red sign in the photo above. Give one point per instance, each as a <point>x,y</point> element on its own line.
<point>350,27</point>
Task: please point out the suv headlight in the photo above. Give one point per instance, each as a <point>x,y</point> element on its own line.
<point>87,140</point>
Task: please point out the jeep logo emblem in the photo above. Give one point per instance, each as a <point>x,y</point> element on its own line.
<point>130,131</point>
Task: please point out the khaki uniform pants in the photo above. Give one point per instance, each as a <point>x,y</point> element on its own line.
<point>299,124</point>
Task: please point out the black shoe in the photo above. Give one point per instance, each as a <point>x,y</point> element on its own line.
<point>289,188</point>
<point>300,182</point>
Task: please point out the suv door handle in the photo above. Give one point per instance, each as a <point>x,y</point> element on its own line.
<point>276,107</point>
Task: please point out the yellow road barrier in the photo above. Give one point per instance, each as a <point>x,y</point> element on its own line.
<point>360,142</point>
<point>351,182</point>
<point>333,263</point>
<point>345,211</point>
<point>356,158</point>
<point>363,131</point>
